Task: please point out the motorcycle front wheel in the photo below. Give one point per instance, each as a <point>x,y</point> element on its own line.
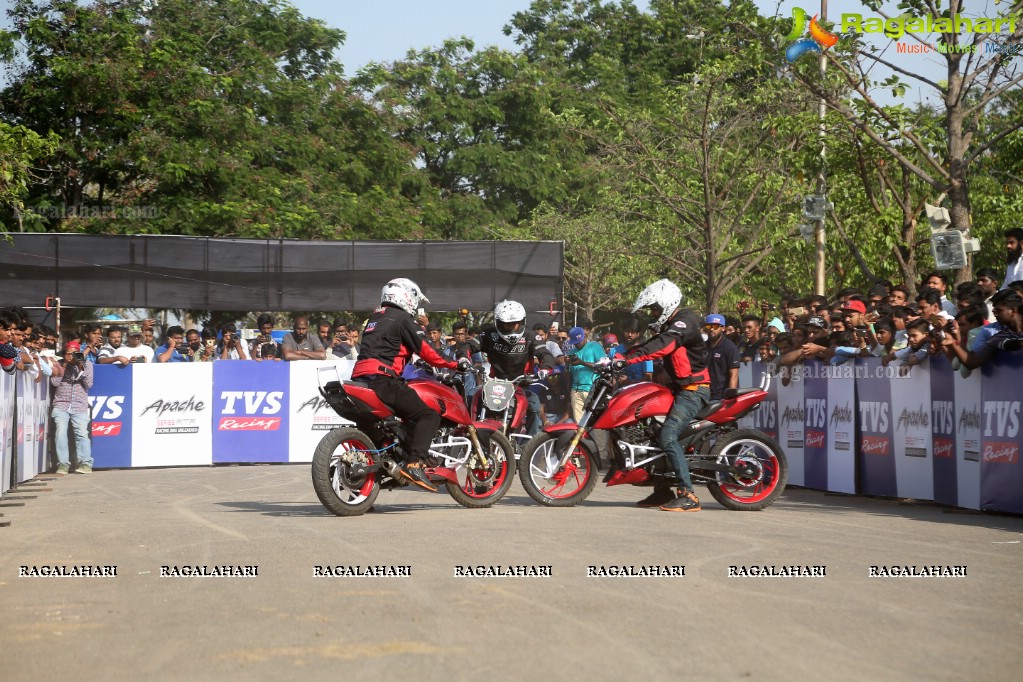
<point>338,490</point>
<point>482,486</point>
<point>763,470</point>
<point>552,486</point>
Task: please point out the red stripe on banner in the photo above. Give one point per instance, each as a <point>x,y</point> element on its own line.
<point>249,424</point>
<point>106,429</point>
<point>1001,452</point>
<point>875,445</point>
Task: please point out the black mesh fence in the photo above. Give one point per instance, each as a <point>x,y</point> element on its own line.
<point>198,273</point>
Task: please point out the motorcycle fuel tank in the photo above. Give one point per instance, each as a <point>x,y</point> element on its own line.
<point>634,403</point>
<point>442,399</point>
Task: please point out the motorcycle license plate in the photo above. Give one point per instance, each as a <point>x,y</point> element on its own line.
<point>498,394</point>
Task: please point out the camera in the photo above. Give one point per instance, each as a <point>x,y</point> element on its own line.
<point>796,312</point>
<point>78,357</point>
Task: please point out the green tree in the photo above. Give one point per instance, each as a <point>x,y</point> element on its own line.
<point>219,118</point>
<point>480,126</point>
<point>978,78</point>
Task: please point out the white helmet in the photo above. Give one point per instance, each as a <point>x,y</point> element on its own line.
<point>510,320</point>
<point>662,293</point>
<point>403,293</point>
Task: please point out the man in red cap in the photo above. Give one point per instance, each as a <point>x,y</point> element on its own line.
<point>853,312</point>
<point>71,383</point>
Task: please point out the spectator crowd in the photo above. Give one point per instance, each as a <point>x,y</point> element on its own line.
<point>969,323</point>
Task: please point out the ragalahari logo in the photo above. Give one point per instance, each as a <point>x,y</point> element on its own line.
<point>818,41</point>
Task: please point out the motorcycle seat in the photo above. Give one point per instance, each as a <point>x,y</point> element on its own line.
<point>708,409</point>
<point>736,392</point>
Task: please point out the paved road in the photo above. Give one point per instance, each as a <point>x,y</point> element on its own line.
<point>288,624</point>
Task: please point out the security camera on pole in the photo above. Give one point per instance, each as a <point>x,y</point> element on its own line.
<point>949,246</point>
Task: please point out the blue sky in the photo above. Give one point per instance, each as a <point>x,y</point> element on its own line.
<point>386,29</point>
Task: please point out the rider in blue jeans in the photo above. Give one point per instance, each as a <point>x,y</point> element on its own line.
<point>680,345</point>
<point>71,385</point>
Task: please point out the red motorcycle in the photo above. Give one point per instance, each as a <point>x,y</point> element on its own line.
<point>352,465</point>
<point>504,401</point>
<point>744,469</point>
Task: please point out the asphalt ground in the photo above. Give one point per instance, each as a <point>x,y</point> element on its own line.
<point>287,624</point>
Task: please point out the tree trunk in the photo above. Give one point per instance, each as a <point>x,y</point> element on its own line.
<point>958,192</point>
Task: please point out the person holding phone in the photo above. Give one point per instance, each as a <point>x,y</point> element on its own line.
<point>134,350</point>
<point>264,347</point>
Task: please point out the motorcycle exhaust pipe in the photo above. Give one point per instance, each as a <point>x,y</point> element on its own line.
<point>392,468</point>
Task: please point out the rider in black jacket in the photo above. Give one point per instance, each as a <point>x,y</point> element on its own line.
<point>390,338</point>
<point>511,354</point>
<point>681,346</point>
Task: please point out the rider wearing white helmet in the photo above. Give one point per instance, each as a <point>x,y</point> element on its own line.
<point>510,351</point>
<point>390,338</point>
<point>680,345</point>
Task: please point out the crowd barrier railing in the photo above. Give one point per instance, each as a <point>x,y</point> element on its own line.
<point>928,434</point>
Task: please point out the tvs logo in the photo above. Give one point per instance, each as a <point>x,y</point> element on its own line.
<point>943,416</point>
<point>814,439</point>
<point>1001,453</point>
<point>256,402</point>
<point>816,412</point>
<point>106,409</point>
<point>875,445</point>
<point>944,448</point>
<point>819,40</point>
<point>248,424</point>
<point>1001,418</point>
<point>258,405</point>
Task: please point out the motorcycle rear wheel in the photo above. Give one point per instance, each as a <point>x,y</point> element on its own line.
<point>475,491</point>
<point>750,444</point>
<point>337,490</point>
<point>550,487</point>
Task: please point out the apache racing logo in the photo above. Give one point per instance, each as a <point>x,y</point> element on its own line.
<point>172,415</point>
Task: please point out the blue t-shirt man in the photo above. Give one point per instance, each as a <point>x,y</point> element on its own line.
<point>581,357</point>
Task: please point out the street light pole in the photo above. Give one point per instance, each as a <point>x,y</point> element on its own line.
<point>818,273</point>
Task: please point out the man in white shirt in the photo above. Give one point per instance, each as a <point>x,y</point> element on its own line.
<point>135,350</point>
<point>1014,249</point>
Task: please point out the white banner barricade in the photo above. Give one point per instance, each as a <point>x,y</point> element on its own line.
<point>967,414</point>
<point>911,414</point>
<point>791,416</point>
<point>923,435</point>
<point>841,431</point>
<point>7,402</point>
<point>172,419</point>
<point>311,417</point>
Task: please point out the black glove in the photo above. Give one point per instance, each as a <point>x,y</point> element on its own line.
<point>618,365</point>
<point>464,364</point>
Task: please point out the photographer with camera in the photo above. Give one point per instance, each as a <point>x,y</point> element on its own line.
<point>263,347</point>
<point>345,340</point>
<point>71,381</point>
<point>231,346</point>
